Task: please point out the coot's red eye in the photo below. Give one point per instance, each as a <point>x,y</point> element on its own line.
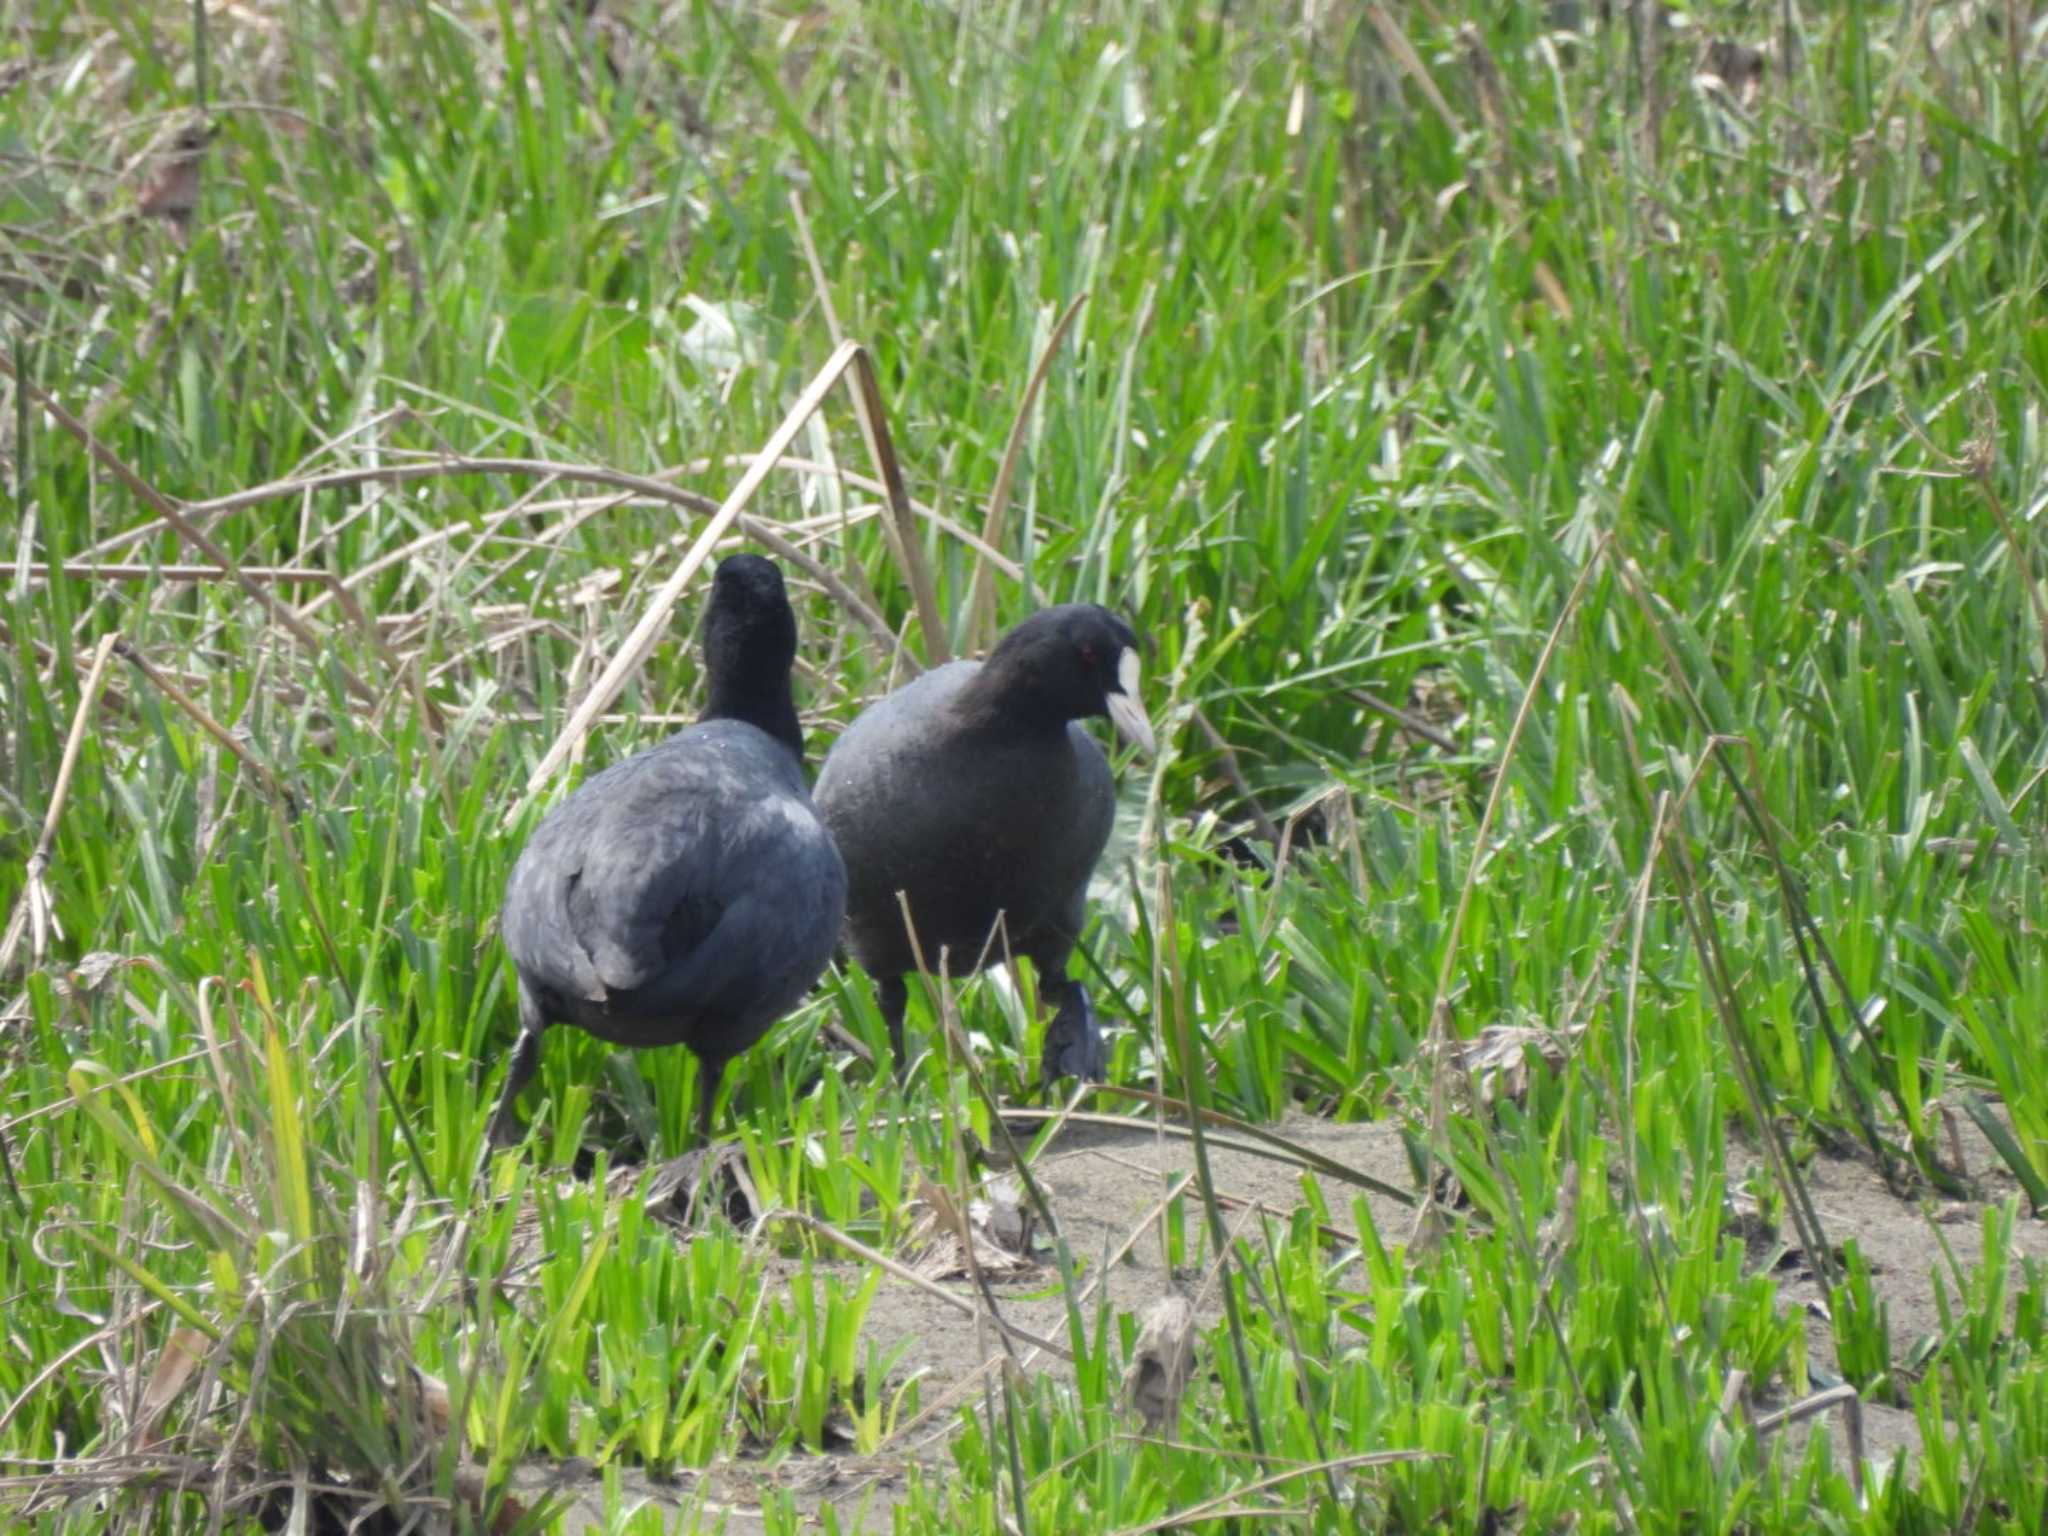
<point>1088,655</point>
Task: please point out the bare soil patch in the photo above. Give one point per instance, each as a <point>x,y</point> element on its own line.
<point>1107,1181</point>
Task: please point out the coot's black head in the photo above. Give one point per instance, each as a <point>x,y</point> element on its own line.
<point>749,647</point>
<point>1062,664</point>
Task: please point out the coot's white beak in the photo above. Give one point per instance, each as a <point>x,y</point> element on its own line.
<point>1125,712</point>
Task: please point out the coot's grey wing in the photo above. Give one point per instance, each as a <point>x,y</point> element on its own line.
<point>535,921</point>
<point>1088,820</point>
<point>680,835</point>
<point>648,889</point>
<point>774,932</point>
<point>633,872</point>
<point>1073,1038</point>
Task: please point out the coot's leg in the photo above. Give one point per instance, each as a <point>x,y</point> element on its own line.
<point>505,1130</point>
<point>1073,1042</point>
<point>709,1070</point>
<point>894,995</point>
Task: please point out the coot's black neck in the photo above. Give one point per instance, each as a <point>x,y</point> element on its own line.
<point>765,707</point>
<point>1008,702</point>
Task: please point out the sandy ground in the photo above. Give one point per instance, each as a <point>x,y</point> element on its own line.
<point>1105,1184</point>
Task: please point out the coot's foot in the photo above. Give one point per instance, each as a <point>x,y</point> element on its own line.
<point>1073,1042</point>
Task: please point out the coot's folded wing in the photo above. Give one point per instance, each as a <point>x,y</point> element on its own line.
<point>692,877</point>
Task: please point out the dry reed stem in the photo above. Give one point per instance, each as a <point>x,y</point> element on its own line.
<point>33,908</point>
<point>899,525</point>
<point>810,248</point>
<point>38,570</point>
<point>640,642</point>
<point>655,488</point>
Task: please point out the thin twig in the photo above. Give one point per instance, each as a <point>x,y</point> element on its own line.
<point>1228,1506</point>
<point>981,593</point>
<point>1295,1154</point>
<point>283,805</point>
<point>171,689</point>
<point>1439,1008</point>
<point>1706,936</point>
<point>335,587</point>
<point>654,487</point>
<point>1808,942</point>
<point>640,643</point>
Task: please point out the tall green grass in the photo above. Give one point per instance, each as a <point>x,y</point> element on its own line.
<point>1395,327</point>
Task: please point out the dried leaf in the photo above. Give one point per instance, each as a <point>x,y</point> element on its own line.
<point>596,588</point>
<point>1004,1216</point>
<point>1161,1362</point>
<point>174,193</point>
<point>1497,1059</point>
<point>90,972</point>
<point>176,1364</point>
<point>434,1402</point>
<point>998,1225</point>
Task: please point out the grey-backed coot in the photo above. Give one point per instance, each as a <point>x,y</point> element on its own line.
<point>972,790</point>
<point>689,894</point>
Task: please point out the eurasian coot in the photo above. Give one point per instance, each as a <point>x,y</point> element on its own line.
<point>972,790</point>
<point>689,894</point>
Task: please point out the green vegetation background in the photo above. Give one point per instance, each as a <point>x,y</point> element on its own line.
<point>1649,414</point>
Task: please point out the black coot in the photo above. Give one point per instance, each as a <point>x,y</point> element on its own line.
<point>972,790</point>
<point>688,895</point>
